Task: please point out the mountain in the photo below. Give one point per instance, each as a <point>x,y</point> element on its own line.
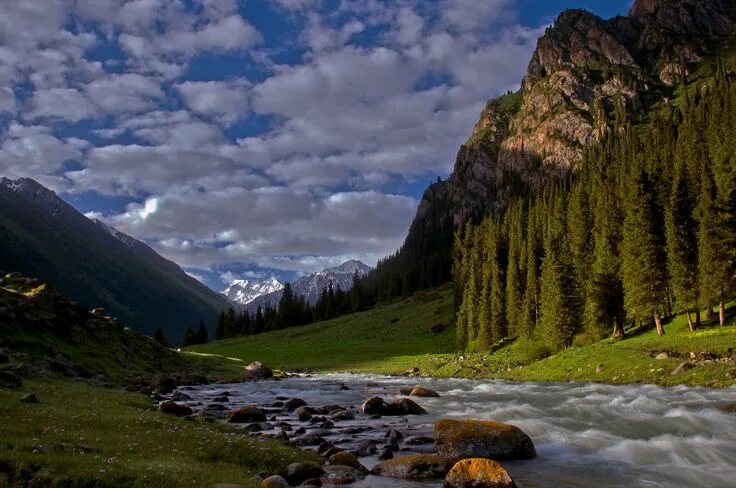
<point>96,265</point>
<point>243,292</point>
<point>310,286</point>
<point>586,76</point>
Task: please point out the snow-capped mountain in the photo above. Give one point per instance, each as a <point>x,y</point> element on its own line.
<point>311,286</point>
<point>245,291</point>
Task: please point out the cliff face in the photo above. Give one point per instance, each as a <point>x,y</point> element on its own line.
<point>585,73</point>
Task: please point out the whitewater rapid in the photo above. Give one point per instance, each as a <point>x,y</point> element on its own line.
<point>587,435</point>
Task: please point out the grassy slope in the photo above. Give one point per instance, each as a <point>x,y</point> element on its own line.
<point>81,435</point>
<point>372,342</point>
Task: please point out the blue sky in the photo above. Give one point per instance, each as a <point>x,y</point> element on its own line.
<point>258,137</point>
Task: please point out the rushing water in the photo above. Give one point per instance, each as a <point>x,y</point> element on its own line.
<point>587,435</point>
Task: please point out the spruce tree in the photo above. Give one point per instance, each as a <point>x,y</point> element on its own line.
<point>202,334</point>
<point>644,261</point>
<point>189,338</point>
<point>712,267</point>
<point>160,337</point>
<point>221,326</point>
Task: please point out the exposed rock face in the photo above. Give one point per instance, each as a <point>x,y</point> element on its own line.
<point>478,473</point>
<point>585,73</point>
<point>460,439</point>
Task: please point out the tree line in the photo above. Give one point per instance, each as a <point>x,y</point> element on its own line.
<point>292,310</point>
<point>643,229</point>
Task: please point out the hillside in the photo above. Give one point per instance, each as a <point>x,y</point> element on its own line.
<point>398,338</point>
<point>43,236</point>
<point>586,77</point>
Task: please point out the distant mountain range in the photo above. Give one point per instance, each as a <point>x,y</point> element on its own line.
<point>242,292</point>
<point>311,286</point>
<point>44,237</point>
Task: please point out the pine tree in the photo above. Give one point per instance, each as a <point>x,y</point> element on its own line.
<point>644,262</point>
<point>713,270</point>
<point>189,338</point>
<point>221,326</point>
<point>160,337</point>
<point>259,322</point>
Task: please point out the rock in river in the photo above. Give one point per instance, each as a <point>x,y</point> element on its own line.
<point>257,371</point>
<point>246,415</point>
<point>460,439</point>
<point>402,406</point>
<point>478,473</point>
<point>419,391</point>
<point>297,473</point>
<point>274,482</point>
<point>174,408</point>
<point>415,467</point>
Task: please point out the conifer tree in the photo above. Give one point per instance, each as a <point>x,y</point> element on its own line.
<point>202,334</point>
<point>221,326</point>
<point>644,262</point>
<point>160,337</point>
<point>189,338</point>
<point>713,270</point>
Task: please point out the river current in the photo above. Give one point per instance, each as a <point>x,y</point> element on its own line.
<point>587,435</point>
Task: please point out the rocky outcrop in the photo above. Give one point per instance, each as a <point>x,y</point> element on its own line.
<point>585,74</point>
<point>478,473</point>
<point>257,371</point>
<point>461,439</point>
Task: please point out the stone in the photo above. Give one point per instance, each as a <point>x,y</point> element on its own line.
<point>312,482</point>
<point>173,408</point>
<point>29,398</point>
<point>345,458</point>
<point>164,384</point>
<point>293,404</point>
<point>297,473</point>
<point>181,397</point>
<point>418,440</point>
<point>342,415</point>
<point>394,436</point>
<point>729,408</point>
<point>404,406</point>
<point>10,380</point>
<point>460,439</point>
<point>661,356</point>
<point>341,475</point>
<point>311,439</point>
<point>257,371</point>
<point>274,482</point>
<point>414,467</point>
<point>419,391</point>
<point>386,454</point>
<point>365,448</point>
<point>373,406</point>
<point>599,369</point>
<point>478,473</point>
<point>246,415</point>
<point>682,368</point>
<point>303,413</point>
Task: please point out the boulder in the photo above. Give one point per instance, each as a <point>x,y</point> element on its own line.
<point>419,391</point>
<point>274,482</point>
<point>373,406</point>
<point>164,384</point>
<point>173,408</point>
<point>345,458</point>
<point>460,439</point>
<point>342,415</point>
<point>257,371</point>
<point>10,380</point>
<point>478,473</point>
<point>414,467</point>
<point>401,406</point>
<point>303,413</point>
<point>682,368</point>
<point>297,473</point>
<point>246,415</point>
<point>180,397</point>
<point>386,454</point>
<point>293,404</point>
<point>29,398</point>
<point>341,475</point>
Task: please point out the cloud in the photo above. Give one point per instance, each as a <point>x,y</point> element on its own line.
<point>7,100</point>
<point>124,93</point>
<point>225,102</point>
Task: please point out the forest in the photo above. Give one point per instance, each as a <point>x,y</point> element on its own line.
<point>643,228</point>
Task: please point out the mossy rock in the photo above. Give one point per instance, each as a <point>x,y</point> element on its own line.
<point>478,473</point>
<point>461,439</point>
<point>415,467</point>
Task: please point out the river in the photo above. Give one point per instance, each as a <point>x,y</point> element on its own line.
<point>587,435</point>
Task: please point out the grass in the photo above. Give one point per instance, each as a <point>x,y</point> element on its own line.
<point>398,337</point>
<point>81,435</point>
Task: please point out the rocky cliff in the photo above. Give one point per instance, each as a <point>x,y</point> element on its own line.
<point>586,74</point>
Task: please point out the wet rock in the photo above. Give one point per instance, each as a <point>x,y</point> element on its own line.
<point>259,427</point>
<point>257,371</point>
<point>181,397</point>
<point>246,415</point>
<point>345,458</point>
<point>29,398</point>
<point>394,436</point>
<point>164,384</point>
<point>293,404</point>
<point>300,431</point>
<point>325,425</point>
<point>332,451</point>
<point>312,482</point>
<point>324,447</point>
<point>478,473</point>
<point>274,482</point>
<point>297,473</point>
<point>303,413</point>
<point>172,408</point>
<point>406,391</point>
<point>401,406</point>
<point>341,475</point>
<point>415,467</point>
<point>365,448</point>
<point>419,391</point>
<point>386,454</point>
<point>221,399</point>
<point>729,408</point>
<point>459,439</point>
<point>343,387</point>
<point>310,439</point>
<point>341,415</point>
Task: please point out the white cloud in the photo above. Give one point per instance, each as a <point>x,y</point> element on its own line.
<point>60,103</point>
<point>125,93</point>
<point>7,100</point>
<point>224,101</point>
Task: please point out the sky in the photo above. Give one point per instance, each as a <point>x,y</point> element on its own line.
<point>255,138</point>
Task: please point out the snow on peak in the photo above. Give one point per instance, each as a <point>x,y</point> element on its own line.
<point>245,291</point>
